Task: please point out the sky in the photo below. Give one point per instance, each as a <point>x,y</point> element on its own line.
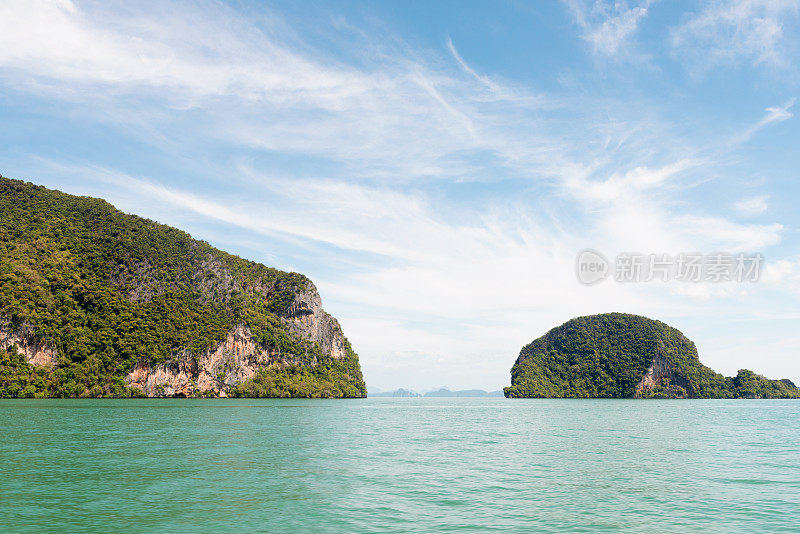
<point>436,167</point>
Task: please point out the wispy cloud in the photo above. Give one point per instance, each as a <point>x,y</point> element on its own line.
<point>735,31</point>
<point>772,115</point>
<point>752,206</point>
<point>156,46</point>
<point>395,117</point>
<point>496,91</point>
<point>608,27</point>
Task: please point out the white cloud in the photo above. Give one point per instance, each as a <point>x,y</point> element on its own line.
<point>493,87</point>
<point>778,113</point>
<point>620,187</point>
<point>782,275</point>
<point>634,210</point>
<point>157,46</point>
<point>720,233</point>
<point>608,26</point>
<point>752,206</point>
<point>733,31</point>
<point>773,115</point>
<point>780,271</point>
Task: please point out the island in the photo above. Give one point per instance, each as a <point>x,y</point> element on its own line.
<point>447,392</point>
<point>619,355</point>
<point>98,303</point>
<point>397,393</point>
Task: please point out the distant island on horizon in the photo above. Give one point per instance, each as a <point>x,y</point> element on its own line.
<point>441,392</point>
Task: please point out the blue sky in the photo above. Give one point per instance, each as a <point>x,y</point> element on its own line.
<point>435,167</point>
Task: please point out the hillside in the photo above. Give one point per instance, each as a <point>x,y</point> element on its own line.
<point>618,355</point>
<point>95,302</point>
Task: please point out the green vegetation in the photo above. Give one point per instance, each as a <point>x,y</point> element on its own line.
<point>20,379</point>
<point>107,290</point>
<point>608,355</point>
<point>334,378</point>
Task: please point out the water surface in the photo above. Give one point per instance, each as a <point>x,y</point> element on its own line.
<point>399,465</point>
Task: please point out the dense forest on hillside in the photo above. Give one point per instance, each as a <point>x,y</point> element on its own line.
<point>608,355</point>
<point>107,289</point>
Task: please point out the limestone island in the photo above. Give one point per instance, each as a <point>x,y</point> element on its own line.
<point>618,355</point>
<point>98,303</point>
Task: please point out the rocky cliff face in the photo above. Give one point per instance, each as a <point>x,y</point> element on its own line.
<point>36,351</point>
<point>661,373</point>
<point>306,318</point>
<point>239,357</point>
<point>216,370</point>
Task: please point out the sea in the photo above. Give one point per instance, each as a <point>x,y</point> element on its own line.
<point>422,465</point>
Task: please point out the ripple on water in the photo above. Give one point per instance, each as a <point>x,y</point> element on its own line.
<point>404,465</point>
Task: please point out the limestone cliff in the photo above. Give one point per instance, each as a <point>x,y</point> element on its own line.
<point>306,318</point>
<point>661,374</point>
<point>239,357</point>
<point>129,306</point>
<point>216,370</point>
<point>35,351</point>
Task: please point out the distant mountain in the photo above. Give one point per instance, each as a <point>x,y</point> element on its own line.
<point>95,302</point>
<point>621,355</point>
<point>396,393</point>
<point>442,392</point>
<point>445,392</point>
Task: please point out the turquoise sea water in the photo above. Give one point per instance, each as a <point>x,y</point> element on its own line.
<point>399,465</point>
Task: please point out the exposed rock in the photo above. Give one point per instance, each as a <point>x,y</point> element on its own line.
<point>36,351</point>
<point>239,357</point>
<point>306,318</point>
<point>661,372</point>
<point>233,361</point>
<point>216,370</point>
